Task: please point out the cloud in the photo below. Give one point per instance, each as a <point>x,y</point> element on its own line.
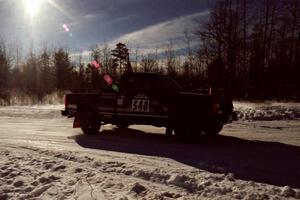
<point>151,38</point>
<point>163,33</point>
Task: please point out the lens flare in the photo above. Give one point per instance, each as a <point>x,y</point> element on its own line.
<point>66,28</point>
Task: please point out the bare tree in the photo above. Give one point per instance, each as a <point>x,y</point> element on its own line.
<point>170,59</point>
<point>148,63</point>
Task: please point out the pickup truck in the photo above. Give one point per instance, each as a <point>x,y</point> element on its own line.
<point>150,99</point>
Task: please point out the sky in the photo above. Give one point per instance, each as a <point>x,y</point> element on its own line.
<point>79,24</point>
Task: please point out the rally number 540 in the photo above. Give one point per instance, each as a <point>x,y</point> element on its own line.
<point>140,105</point>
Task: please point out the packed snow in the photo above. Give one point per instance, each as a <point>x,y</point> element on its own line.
<point>42,157</point>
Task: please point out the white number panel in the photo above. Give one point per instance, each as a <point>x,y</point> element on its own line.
<point>141,105</point>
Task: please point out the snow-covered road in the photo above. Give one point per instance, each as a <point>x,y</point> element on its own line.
<point>42,157</point>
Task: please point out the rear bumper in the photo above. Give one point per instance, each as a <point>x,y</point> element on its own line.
<point>68,113</point>
<point>64,113</point>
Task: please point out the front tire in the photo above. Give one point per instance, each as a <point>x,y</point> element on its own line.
<point>190,130</point>
<point>187,132</point>
<point>213,129</point>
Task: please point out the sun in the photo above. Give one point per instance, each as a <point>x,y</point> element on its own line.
<point>32,7</point>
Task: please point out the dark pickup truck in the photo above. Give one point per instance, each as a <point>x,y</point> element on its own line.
<point>152,99</point>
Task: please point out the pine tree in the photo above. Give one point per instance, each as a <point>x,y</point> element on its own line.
<point>121,58</point>
<point>63,70</point>
<point>31,74</point>
<point>4,74</point>
<point>47,83</point>
<point>4,69</point>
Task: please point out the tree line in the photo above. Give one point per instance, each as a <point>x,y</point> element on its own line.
<point>52,71</point>
<point>251,49</point>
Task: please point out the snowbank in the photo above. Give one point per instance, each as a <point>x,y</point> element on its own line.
<point>18,98</point>
<point>31,173</point>
<point>267,111</point>
<point>36,111</point>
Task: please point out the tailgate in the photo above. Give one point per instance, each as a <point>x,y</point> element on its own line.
<point>102,102</point>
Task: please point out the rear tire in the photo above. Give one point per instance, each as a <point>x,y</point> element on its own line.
<point>93,129</point>
<point>90,122</point>
<point>190,131</point>
<point>122,125</point>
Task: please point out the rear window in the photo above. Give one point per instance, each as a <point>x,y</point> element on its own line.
<point>149,85</point>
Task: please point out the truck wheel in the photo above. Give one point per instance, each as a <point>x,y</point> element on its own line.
<point>169,131</point>
<point>213,130</point>
<point>186,129</point>
<point>180,132</point>
<point>122,125</point>
<point>91,129</point>
<point>90,122</point>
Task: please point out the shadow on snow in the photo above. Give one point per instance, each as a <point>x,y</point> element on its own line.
<point>267,162</point>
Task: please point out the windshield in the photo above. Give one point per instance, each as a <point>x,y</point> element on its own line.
<point>167,84</point>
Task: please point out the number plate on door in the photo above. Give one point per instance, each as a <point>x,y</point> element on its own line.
<point>140,105</point>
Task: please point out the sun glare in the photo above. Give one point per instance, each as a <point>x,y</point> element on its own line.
<point>32,7</point>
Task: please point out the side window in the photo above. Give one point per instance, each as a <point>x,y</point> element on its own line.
<point>131,86</point>
<point>134,85</point>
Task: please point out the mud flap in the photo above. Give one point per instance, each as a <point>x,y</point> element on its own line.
<point>230,118</point>
<point>234,116</point>
<point>76,123</point>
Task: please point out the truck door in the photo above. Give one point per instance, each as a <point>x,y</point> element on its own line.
<point>137,98</point>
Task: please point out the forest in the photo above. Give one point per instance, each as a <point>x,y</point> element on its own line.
<point>250,49</point>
